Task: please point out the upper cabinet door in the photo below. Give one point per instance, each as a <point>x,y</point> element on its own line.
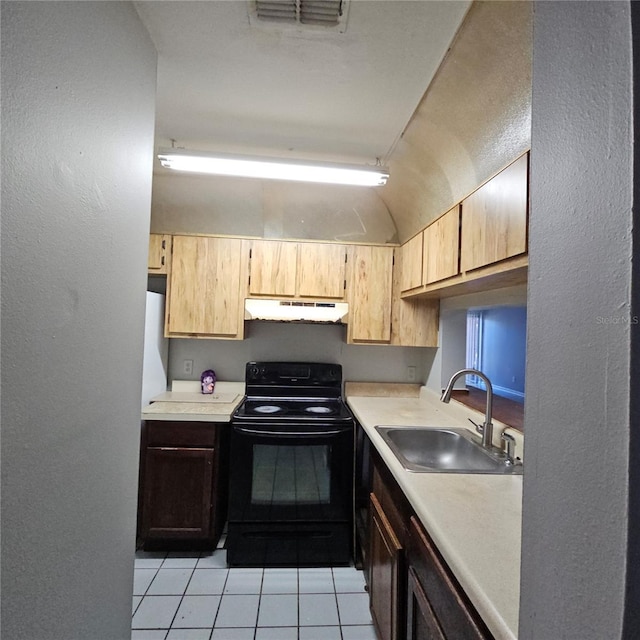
<point>494,218</point>
<point>273,268</point>
<point>370,289</point>
<point>159,252</point>
<point>321,270</point>
<point>411,264</point>
<point>204,295</point>
<point>442,247</point>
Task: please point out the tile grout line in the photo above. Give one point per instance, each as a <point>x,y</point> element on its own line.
<point>228,570</point>
<point>261,593</point>
<point>335,594</point>
<point>182,596</point>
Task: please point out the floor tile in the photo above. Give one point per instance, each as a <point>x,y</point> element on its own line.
<point>243,581</point>
<point>207,582</point>
<point>280,581</point>
<point>318,610</point>
<point>134,603</point>
<point>155,612</point>
<point>214,560</point>
<point>189,634</point>
<point>315,580</point>
<point>197,611</point>
<point>142,579</point>
<point>238,611</point>
<point>169,582</point>
<point>233,634</point>
<point>148,634</point>
<point>277,633</point>
<point>278,611</point>
<point>354,608</point>
<point>348,580</point>
<point>320,633</point>
<point>149,559</point>
<point>359,632</point>
<point>181,562</point>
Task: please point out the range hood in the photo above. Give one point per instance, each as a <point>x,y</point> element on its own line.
<point>296,311</point>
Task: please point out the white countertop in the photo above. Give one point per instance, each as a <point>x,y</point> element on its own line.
<point>475,520</point>
<point>192,406</point>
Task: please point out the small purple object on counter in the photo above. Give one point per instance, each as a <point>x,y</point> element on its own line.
<point>208,381</point>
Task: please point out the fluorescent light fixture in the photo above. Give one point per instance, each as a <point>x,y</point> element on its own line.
<point>272,168</point>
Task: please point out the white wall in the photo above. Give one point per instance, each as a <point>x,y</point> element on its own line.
<point>579,324</point>
<point>452,355</point>
<point>78,92</point>
<point>299,342</point>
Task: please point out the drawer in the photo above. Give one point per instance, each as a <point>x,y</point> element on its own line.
<point>163,433</point>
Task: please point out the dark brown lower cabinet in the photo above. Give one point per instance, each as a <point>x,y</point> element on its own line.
<point>385,576</point>
<point>183,491</point>
<point>413,593</point>
<point>444,609</point>
<point>422,623</point>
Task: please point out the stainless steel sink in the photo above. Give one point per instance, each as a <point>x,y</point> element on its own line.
<point>444,450</point>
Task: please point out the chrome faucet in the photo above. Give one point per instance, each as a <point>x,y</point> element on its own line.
<point>487,428</point>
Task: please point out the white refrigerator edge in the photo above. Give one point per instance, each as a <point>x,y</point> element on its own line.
<point>155,363</point>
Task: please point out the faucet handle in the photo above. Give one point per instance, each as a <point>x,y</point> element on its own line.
<point>510,443</point>
<point>479,427</point>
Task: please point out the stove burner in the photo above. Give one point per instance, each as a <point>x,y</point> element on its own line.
<point>268,408</point>
<point>320,409</point>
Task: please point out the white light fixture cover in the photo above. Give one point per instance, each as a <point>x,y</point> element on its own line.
<point>272,168</point>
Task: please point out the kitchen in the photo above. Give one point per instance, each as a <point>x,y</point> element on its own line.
<point>80,346</point>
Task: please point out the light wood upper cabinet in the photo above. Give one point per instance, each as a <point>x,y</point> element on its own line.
<point>273,268</point>
<point>321,270</point>
<point>494,218</point>
<point>159,253</point>
<point>297,269</point>
<point>205,288</point>
<point>414,322</point>
<point>369,295</point>
<point>441,247</point>
<point>412,257</point>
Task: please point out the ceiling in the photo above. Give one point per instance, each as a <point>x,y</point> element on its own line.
<point>437,91</point>
<point>227,82</point>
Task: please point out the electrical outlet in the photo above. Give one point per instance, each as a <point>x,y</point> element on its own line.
<point>411,374</point>
<point>187,367</point>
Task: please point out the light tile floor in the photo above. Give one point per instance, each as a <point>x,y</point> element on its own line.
<point>193,596</point>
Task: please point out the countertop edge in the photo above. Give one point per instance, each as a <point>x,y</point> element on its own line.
<point>195,411</point>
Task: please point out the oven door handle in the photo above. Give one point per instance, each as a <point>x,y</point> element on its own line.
<point>261,432</point>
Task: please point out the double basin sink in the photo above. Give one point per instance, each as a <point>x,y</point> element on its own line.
<point>444,450</point>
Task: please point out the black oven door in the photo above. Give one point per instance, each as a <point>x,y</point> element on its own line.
<point>291,495</point>
<point>282,472</point>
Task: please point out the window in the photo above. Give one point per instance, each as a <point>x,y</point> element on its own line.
<point>496,345</point>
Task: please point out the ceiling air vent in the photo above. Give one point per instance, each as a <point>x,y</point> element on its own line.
<point>313,13</point>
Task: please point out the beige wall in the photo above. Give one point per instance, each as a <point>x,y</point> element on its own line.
<point>473,121</point>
